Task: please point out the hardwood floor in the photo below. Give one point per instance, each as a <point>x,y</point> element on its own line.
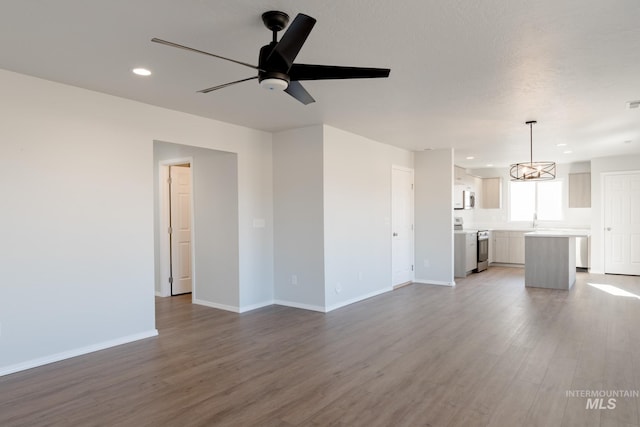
<point>488,352</point>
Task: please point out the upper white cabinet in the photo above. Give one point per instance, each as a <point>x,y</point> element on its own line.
<point>460,177</point>
<point>580,190</point>
<point>491,193</point>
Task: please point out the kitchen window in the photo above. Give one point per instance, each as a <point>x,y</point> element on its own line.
<point>542,197</point>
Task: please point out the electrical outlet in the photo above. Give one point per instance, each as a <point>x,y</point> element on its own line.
<point>427,264</point>
<point>338,288</point>
<point>360,276</point>
<point>294,279</point>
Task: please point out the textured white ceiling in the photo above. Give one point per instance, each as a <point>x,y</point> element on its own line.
<point>464,74</point>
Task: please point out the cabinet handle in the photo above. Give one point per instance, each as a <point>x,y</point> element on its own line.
<point>608,228</point>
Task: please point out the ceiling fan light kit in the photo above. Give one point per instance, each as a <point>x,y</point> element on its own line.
<point>276,69</point>
<point>532,171</point>
<point>274,84</point>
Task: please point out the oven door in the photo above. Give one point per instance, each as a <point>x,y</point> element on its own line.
<point>483,253</point>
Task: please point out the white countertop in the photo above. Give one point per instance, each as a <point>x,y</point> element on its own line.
<point>464,231</point>
<point>557,233</point>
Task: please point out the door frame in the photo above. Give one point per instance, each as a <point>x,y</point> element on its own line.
<point>164,206</point>
<point>413,222</point>
<point>603,225</point>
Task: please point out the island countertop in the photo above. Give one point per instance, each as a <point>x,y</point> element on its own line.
<point>558,233</point>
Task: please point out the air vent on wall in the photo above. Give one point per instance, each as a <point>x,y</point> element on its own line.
<point>633,105</point>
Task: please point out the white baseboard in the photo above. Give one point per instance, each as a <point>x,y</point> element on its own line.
<point>246,308</point>
<point>298,305</point>
<point>434,282</point>
<point>34,363</point>
<point>231,308</point>
<point>358,299</point>
<point>334,306</point>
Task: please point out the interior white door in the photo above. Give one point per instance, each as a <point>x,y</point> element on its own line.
<point>180,220</point>
<point>622,223</point>
<point>401,225</point>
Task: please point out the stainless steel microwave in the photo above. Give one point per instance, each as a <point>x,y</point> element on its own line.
<point>463,198</point>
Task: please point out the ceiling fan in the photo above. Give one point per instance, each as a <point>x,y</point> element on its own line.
<point>276,69</point>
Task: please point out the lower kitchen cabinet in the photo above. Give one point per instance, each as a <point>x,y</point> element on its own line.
<point>500,246</point>
<point>466,253</point>
<point>508,247</point>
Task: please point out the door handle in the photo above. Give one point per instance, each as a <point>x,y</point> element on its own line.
<point>395,234</point>
<point>608,228</point>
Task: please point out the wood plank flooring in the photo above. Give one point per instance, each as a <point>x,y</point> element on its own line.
<point>488,352</point>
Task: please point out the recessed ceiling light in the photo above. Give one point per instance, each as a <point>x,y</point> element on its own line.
<point>489,165</point>
<point>470,157</point>
<point>561,145</point>
<point>141,71</point>
<point>567,151</point>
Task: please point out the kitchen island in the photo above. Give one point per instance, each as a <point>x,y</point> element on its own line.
<point>550,259</point>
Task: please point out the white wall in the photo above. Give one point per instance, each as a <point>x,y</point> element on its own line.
<point>77,182</point>
<point>255,206</point>
<point>434,216</point>
<point>298,218</point>
<point>215,227</point>
<point>357,215</point>
<point>332,211</point>
<point>598,167</point>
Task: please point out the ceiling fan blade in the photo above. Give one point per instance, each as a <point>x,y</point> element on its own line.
<point>167,43</point>
<point>296,90</point>
<point>291,42</point>
<point>329,72</point>
<point>211,89</point>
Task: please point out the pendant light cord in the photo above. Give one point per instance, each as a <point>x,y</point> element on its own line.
<point>531,143</point>
<point>531,123</point>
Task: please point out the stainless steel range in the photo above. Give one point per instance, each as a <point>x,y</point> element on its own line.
<point>483,250</point>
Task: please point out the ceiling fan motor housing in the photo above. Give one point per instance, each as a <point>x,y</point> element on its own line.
<point>274,75</point>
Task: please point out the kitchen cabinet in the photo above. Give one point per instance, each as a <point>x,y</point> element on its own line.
<point>516,247</point>
<point>580,190</point>
<point>491,193</point>
<point>551,259</point>
<point>500,246</point>
<point>508,247</point>
<point>466,253</point>
<point>459,175</point>
<point>471,255</point>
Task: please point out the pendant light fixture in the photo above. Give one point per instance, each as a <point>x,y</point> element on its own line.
<point>532,171</point>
